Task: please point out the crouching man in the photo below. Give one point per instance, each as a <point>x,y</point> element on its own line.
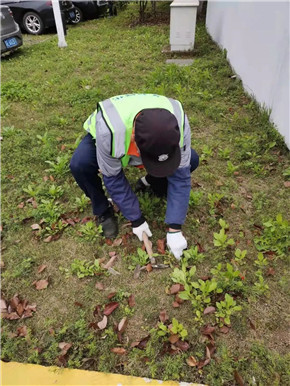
<point>143,130</point>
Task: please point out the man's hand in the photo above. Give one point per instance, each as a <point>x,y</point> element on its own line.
<point>176,243</point>
<point>138,231</point>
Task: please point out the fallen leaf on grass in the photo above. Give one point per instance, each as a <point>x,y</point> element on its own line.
<point>209,310</point>
<point>224,329</point>
<point>161,246</point>
<point>110,307</point>
<point>199,247</point>
<point>48,239</point>
<point>41,284</point>
<point>182,345</point>
<point>149,268</point>
<point>238,378</point>
<point>86,219</point>
<point>253,327</point>
<point>207,330</point>
<point>112,253</point>
<point>175,304</point>
<point>113,271</point>
<point>271,271</point>
<point>175,288</point>
<point>118,350</point>
<point>2,264</point>
<point>41,268</point>
<point>163,316</point>
<point>131,301</point>
<point>22,331</point>
<point>35,227</point>
<point>64,347</point>
<point>203,363</point>
<point>21,205</point>
<point>78,304</point>
<point>122,325</point>
<point>173,338</point>
<point>141,344</point>
<point>99,286</point>
<point>191,361</point>
<point>178,299</point>
<point>111,295</point>
<point>20,309</point>
<point>103,323</point>
<point>117,242</point>
<point>137,272</point>
<point>287,184</point>
<point>110,263</point>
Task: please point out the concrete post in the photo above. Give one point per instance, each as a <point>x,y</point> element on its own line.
<point>59,23</point>
<point>182,24</point>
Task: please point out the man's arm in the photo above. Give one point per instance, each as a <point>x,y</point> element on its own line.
<point>114,178</point>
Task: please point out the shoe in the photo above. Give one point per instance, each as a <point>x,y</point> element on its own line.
<point>109,224</point>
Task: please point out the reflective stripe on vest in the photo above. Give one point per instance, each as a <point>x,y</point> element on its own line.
<point>119,113</point>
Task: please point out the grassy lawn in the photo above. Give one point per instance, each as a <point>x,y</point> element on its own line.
<point>226,315</point>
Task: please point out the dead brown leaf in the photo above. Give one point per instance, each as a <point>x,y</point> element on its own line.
<point>103,323</point>
<point>149,268</point>
<point>110,263</point>
<point>271,271</point>
<point>21,205</point>
<point>78,304</point>
<point>20,309</point>
<point>118,350</point>
<point>122,325</point>
<point>175,288</point>
<point>48,239</point>
<point>287,184</point>
<point>224,329</point>
<point>3,305</point>
<point>41,268</point>
<point>191,361</point>
<point>99,286</point>
<point>178,299</point>
<point>207,330</point>
<point>35,227</point>
<point>112,253</point>
<point>209,310</point>
<point>163,316</point>
<point>22,331</point>
<point>203,363</point>
<point>41,284</point>
<point>173,338</point>
<point>64,347</point>
<point>182,345</point>
<point>117,242</point>
<point>111,295</point>
<point>175,304</point>
<point>110,307</point>
<point>238,378</point>
<point>131,301</point>
<point>161,246</point>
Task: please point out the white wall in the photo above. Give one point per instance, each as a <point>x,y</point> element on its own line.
<point>256,37</point>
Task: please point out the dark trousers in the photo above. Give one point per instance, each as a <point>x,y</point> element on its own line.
<point>85,169</point>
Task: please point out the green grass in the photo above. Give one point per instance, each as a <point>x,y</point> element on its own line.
<point>47,94</point>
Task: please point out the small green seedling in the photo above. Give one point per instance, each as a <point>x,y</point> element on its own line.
<point>260,287</point>
<point>176,329</point>
<point>141,259</point>
<point>192,256</point>
<point>195,198</point>
<point>83,268</point>
<point>231,168</point>
<point>221,239</point>
<point>223,224</point>
<point>55,191</point>
<point>60,167</point>
<point>261,261</point>
<point>32,191</point>
<point>81,203</point>
<point>225,309</point>
<point>90,232</point>
<point>240,255</point>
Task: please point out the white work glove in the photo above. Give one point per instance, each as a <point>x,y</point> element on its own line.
<point>176,243</point>
<point>138,231</point>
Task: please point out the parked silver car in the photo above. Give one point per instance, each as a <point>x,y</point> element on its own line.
<point>11,36</point>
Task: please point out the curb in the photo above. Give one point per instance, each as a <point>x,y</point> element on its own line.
<point>20,374</point>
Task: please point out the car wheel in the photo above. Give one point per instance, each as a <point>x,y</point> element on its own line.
<point>79,16</point>
<point>32,23</point>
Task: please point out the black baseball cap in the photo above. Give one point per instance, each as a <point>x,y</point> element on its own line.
<point>157,136</point>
